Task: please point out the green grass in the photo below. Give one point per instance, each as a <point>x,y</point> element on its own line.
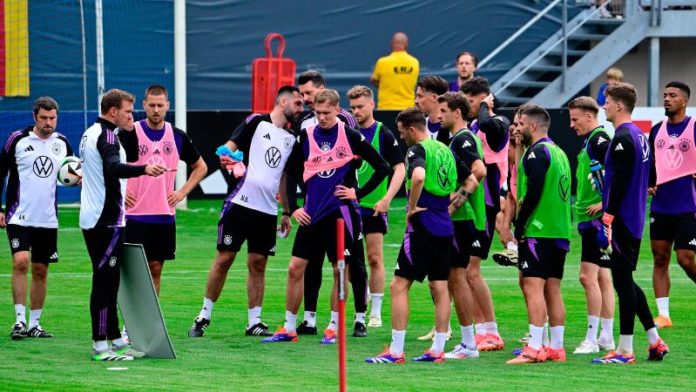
<point>225,359</point>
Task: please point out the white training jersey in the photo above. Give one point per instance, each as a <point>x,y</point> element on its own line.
<point>33,165</point>
<point>266,151</point>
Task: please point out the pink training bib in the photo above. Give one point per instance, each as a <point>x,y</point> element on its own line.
<point>499,158</point>
<point>675,157</point>
<point>151,192</point>
<point>323,161</point>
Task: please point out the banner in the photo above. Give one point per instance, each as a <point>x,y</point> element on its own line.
<point>14,48</point>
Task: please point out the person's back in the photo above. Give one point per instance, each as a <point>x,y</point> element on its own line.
<point>396,76</point>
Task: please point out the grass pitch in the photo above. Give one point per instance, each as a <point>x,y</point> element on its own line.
<point>225,359</point>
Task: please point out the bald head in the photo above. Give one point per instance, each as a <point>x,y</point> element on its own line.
<point>399,41</point>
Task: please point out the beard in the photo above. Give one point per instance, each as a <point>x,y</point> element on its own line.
<point>526,139</point>
<point>669,113</point>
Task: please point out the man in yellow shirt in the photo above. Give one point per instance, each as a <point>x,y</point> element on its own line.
<point>395,76</point>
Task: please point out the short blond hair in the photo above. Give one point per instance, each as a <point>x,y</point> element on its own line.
<point>327,95</point>
<point>615,73</point>
<point>360,91</point>
<point>114,98</point>
<point>587,104</point>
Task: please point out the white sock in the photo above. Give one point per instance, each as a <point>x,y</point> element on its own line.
<point>124,333</point>
<point>397,343</point>
<point>557,337</point>
<point>34,316</point>
<point>376,304</point>
<point>333,324</point>
<point>491,327</point>
<point>592,328</point>
<point>511,246</point>
<point>310,318</point>
<point>439,343</point>
<point>535,336</point>
<point>653,337</point>
<point>545,335</point>
<point>607,334</point>
<point>359,318</point>
<point>663,306</point>
<point>254,316</point>
<point>625,344</point>
<point>480,328</point>
<point>207,308</point>
<point>100,346</point>
<point>20,310</point>
<point>118,342</point>
<point>290,320</point>
<point>468,336</point>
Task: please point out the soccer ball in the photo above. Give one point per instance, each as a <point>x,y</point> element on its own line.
<point>70,171</point>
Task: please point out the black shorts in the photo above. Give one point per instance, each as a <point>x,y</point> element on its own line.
<point>467,242</point>
<point>374,224</point>
<point>590,248</point>
<point>423,254</point>
<point>625,248</point>
<point>238,224</point>
<point>104,245</point>
<point>158,239</point>
<point>317,240</point>
<point>541,258</point>
<point>679,229</point>
<point>42,242</point>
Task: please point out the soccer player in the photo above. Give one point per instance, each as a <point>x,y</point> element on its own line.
<point>250,211</point>
<point>673,207</point>
<point>469,221</point>
<point>427,90</point>
<point>493,130</point>
<point>32,157</point>
<point>311,83</point>
<point>374,207</point>
<point>395,75</point>
<point>101,217</point>
<point>326,159</point>
<point>466,66</point>
<point>432,175</point>
<point>151,201</point>
<point>542,231</point>
<point>594,265</point>
<point>627,168</point>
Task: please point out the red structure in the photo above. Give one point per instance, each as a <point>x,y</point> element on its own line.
<point>270,73</point>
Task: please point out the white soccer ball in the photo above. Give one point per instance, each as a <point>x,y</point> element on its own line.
<point>70,171</point>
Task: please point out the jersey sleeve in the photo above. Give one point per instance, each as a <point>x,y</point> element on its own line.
<point>624,160</point>
<point>598,146</point>
<point>6,158</point>
<point>108,147</point>
<point>464,148</point>
<point>129,141</point>
<point>390,148</point>
<point>415,157</point>
<point>242,135</point>
<point>496,128</point>
<point>189,153</point>
<point>68,147</point>
<point>536,164</point>
<point>348,119</point>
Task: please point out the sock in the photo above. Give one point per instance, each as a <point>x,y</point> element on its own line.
<point>20,310</point>
<point>480,328</point>
<point>491,327</point>
<point>124,333</point>
<point>535,336</point>
<point>100,346</point>
<point>545,335</point>
<point>290,320</point>
<point>663,306</point>
<point>592,327</point>
<point>34,316</point>
<point>359,318</point>
<point>207,308</point>
<point>376,304</point>
<point>118,342</point>
<point>310,318</point>
<point>511,246</point>
<point>397,343</point>
<point>438,343</point>
<point>625,344</point>
<point>254,316</point>
<point>468,336</point>
<point>333,324</point>
<point>653,337</point>
<point>557,337</point>
<point>607,334</point>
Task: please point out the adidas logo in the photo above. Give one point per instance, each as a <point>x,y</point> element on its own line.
<point>346,252</point>
<point>605,257</point>
<point>54,256</point>
<point>693,242</point>
<point>531,155</point>
<point>360,236</point>
<point>466,144</point>
<point>476,244</point>
<point>272,249</point>
<point>619,147</point>
<point>267,136</point>
<point>396,144</point>
<point>410,154</point>
<point>30,148</point>
<point>601,140</point>
<point>525,265</point>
